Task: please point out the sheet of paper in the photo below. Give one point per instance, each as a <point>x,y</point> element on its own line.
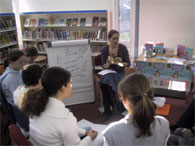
<point>97,127</point>
<point>106,71</point>
<point>176,61</point>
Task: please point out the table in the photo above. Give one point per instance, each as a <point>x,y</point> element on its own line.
<point>168,79</point>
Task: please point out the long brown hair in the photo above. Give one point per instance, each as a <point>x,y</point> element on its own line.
<point>35,101</point>
<point>136,88</point>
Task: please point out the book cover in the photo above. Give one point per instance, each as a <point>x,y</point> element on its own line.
<point>95,21</point>
<point>103,21</point>
<point>74,21</point>
<point>45,22</point>
<point>27,22</point>
<point>33,22</point>
<point>82,21</point>
<point>68,22</point>
<point>188,53</point>
<point>180,51</point>
<point>41,20</point>
<point>62,22</point>
<point>52,21</point>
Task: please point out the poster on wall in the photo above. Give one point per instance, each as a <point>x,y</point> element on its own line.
<point>165,75</point>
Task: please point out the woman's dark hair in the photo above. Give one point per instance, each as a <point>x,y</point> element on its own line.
<point>30,51</point>
<point>112,32</point>
<point>31,74</point>
<point>15,55</point>
<point>35,101</point>
<point>136,88</point>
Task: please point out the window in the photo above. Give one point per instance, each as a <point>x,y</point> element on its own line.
<point>124,19</point>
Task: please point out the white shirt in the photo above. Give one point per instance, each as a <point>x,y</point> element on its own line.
<point>18,93</point>
<point>56,126</point>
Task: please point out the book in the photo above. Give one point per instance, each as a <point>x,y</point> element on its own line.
<point>74,21</point>
<point>52,21</point>
<point>103,21</point>
<point>82,21</point>
<point>45,22</point>
<point>27,22</point>
<point>40,21</point>
<point>68,22</point>
<point>180,51</point>
<point>95,21</point>
<point>33,22</point>
<point>188,53</point>
<point>62,22</point>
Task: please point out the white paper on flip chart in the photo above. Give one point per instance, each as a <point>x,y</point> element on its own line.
<point>106,71</point>
<point>98,141</point>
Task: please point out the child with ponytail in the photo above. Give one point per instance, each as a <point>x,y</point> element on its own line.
<point>51,123</point>
<point>141,126</point>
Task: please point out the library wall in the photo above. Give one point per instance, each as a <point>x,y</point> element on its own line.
<point>64,5</point>
<point>6,6</point>
<point>167,21</point>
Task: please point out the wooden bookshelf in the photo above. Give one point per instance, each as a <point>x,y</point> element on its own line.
<point>8,34</point>
<point>42,27</point>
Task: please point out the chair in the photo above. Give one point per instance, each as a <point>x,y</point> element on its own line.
<point>17,137</point>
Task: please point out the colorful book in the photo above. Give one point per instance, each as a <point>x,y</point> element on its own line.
<point>45,22</point>
<point>27,22</point>
<point>74,21</point>
<point>52,21</point>
<point>82,21</point>
<point>103,21</point>
<point>41,20</point>
<point>62,22</point>
<point>33,22</point>
<point>180,51</point>
<point>188,53</point>
<point>68,22</point>
<point>95,21</point>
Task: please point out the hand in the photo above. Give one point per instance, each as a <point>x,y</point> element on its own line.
<point>93,134</point>
<point>118,59</point>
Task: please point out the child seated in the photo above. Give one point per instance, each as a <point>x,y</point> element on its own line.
<point>51,123</point>
<point>140,126</point>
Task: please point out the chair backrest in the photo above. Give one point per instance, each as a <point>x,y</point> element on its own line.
<point>17,137</point>
<point>98,60</point>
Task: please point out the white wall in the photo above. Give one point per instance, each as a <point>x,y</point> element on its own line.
<point>6,6</point>
<point>64,5</point>
<point>167,21</point>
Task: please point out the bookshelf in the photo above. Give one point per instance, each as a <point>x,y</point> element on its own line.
<point>8,35</point>
<point>38,28</point>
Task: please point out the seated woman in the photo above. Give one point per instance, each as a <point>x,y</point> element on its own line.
<point>140,126</point>
<point>51,123</point>
<point>12,78</point>
<point>114,56</point>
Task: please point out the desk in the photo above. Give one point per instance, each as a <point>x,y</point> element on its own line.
<point>168,79</point>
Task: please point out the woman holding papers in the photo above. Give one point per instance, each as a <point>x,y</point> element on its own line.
<point>51,123</point>
<point>141,126</point>
<point>114,56</point>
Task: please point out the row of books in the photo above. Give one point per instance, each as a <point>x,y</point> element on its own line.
<point>7,23</point>
<point>53,34</point>
<point>9,39</point>
<point>57,21</point>
<point>41,46</point>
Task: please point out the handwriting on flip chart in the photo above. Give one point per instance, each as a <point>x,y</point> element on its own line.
<point>76,60</point>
